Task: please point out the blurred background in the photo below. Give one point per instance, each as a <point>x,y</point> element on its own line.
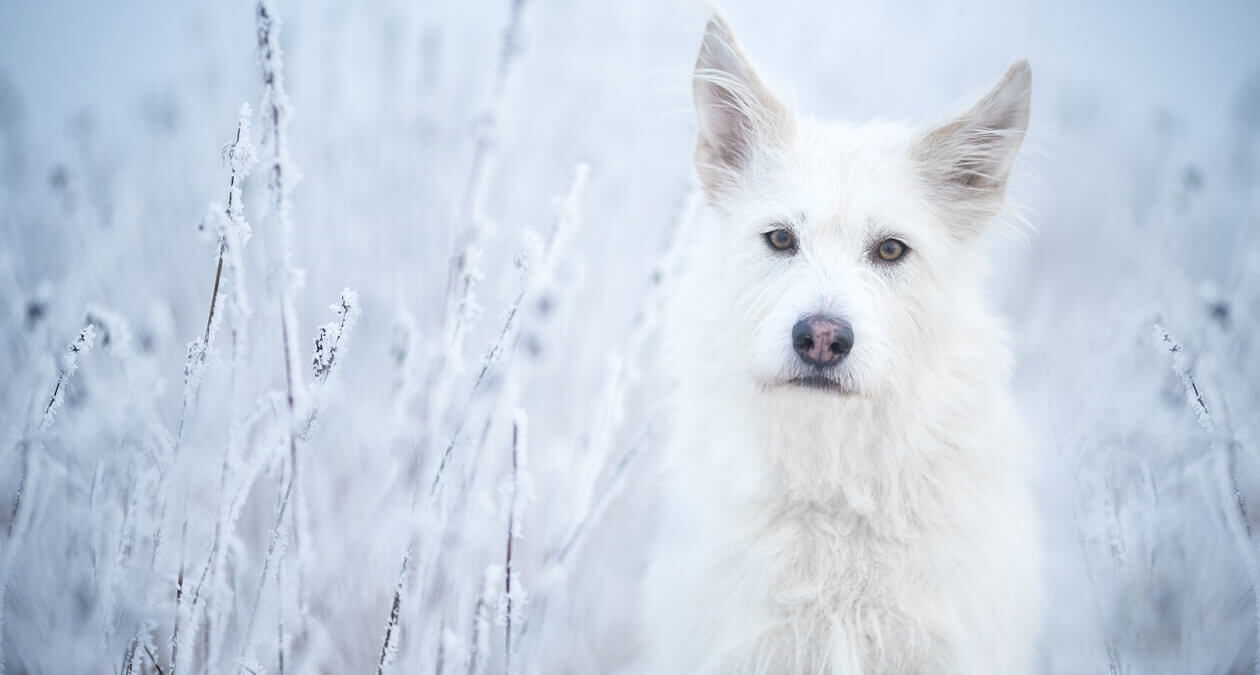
<point>154,515</point>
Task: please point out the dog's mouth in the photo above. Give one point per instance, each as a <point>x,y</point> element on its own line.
<point>817,382</point>
<point>820,382</point>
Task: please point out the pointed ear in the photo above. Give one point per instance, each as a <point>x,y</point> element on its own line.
<point>967,160</point>
<point>738,119</point>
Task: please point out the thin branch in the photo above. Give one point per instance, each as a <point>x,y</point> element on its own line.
<point>460,306</point>
<point>388,646</point>
<point>218,273</point>
<point>81,346</point>
<point>491,360</point>
<point>474,650</point>
<point>179,594</point>
<point>511,534</point>
<point>1224,448</point>
<point>621,376</point>
<point>153,659</point>
<point>276,104</point>
<point>273,547</point>
<point>612,485</point>
<point>1114,666</point>
<point>227,223</point>
<point>464,273</point>
<point>234,232</point>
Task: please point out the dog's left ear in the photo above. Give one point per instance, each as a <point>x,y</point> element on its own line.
<point>966,161</point>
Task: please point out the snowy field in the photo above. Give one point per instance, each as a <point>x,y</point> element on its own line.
<point>449,467</point>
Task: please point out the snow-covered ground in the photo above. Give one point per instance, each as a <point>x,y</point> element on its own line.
<point>150,493</point>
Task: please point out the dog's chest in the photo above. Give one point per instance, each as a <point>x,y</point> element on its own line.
<point>836,544</point>
<point>825,543</point>
<point>826,555</point>
<point>808,586</point>
<point>862,594</point>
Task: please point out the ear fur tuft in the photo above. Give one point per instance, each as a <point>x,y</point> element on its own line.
<point>968,159</point>
<point>737,116</point>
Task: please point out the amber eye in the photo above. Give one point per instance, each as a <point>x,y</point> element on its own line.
<point>890,250</point>
<point>781,239</point>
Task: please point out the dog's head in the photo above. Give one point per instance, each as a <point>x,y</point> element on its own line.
<point>847,252</point>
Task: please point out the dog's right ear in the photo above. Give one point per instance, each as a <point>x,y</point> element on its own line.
<point>738,119</point>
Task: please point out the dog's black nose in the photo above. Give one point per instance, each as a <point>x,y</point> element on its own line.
<point>822,340</point>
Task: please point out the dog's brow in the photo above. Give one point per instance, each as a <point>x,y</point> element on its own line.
<point>775,222</point>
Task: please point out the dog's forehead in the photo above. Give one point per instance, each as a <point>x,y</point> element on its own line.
<point>841,179</point>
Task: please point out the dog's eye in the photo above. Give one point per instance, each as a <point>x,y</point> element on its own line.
<point>890,250</point>
<point>781,239</point>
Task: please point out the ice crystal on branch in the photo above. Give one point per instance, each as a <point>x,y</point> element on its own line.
<point>330,336</point>
<point>69,366</point>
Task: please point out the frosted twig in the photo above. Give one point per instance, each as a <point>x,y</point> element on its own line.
<point>390,646</point>
<point>330,339</point>
<point>231,230</point>
<point>233,233</point>
<point>464,269</point>
<point>1109,644</point>
<point>506,342</point>
<point>606,493</point>
<point>23,450</point>
<point>1179,366</point>
<point>18,526</point>
<point>464,275</point>
<point>69,366</point>
<point>1234,503</point>
<point>480,626</point>
<point>179,594</point>
<point>153,660</point>
<point>622,375</point>
<point>563,226</point>
<point>607,418</point>
<point>280,616</point>
<point>519,439</point>
<point>276,104</point>
<point>274,548</point>
<point>237,232</point>
<point>19,517</point>
<point>543,296</point>
<point>330,336</point>
<point>488,363</point>
<point>230,511</point>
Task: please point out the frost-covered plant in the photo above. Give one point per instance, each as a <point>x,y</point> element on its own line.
<point>1225,463</point>
<point>69,366</point>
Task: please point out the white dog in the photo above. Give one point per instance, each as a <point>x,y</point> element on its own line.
<point>847,481</point>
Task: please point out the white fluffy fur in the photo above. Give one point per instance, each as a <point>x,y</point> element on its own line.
<point>886,527</point>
